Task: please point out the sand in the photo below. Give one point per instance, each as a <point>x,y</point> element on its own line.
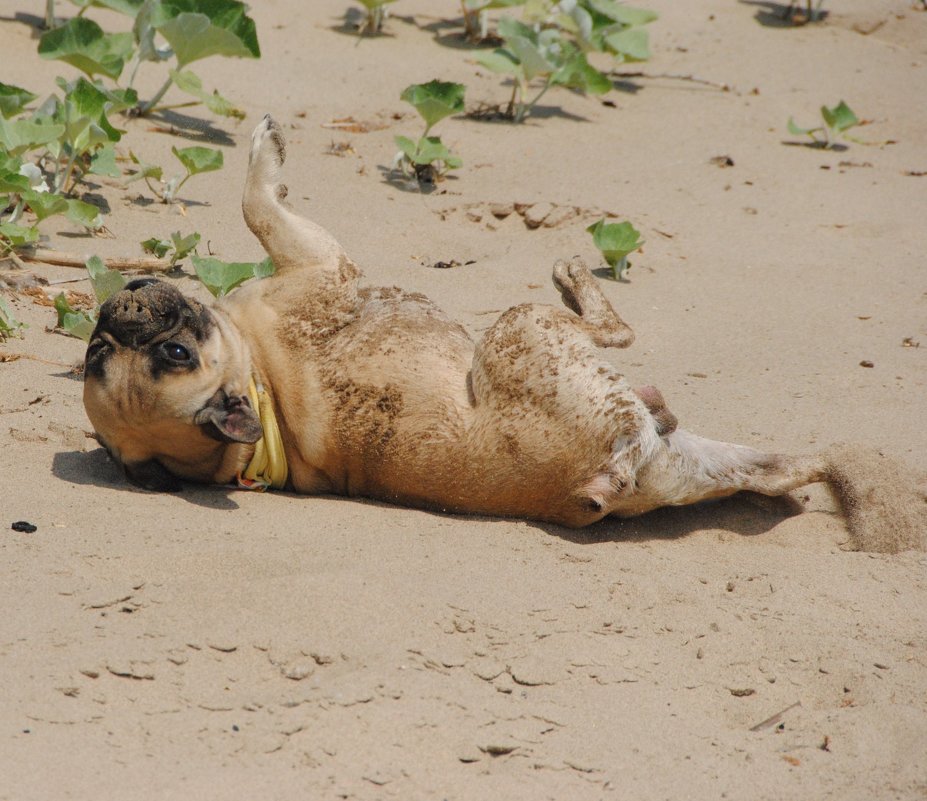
<point>221,644</point>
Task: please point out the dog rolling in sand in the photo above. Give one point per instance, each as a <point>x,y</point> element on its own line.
<point>308,382</point>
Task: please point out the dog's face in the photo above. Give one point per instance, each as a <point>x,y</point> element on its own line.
<point>166,386</point>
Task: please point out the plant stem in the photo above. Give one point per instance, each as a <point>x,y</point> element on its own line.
<point>17,212</point>
<point>530,105</point>
<point>49,14</point>
<point>510,111</point>
<point>67,175</point>
<point>147,107</point>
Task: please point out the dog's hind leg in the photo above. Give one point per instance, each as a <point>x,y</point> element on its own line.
<point>688,469</point>
<point>290,240</point>
<point>600,322</point>
<point>581,294</point>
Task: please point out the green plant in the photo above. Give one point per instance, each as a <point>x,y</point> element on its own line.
<point>8,323</point>
<point>71,137</point>
<point>183,30</point>
<point>837,121</point>
<point>812,11</point>
<point>616,241</point>
<point>79,322</point>
<point>178,246</point>
<point>533,53</point>
<point>476,24</point>
<point>195,160</point>
<point>221,277</point>
<point>428,158</point>
<point>376,13</point>
<point>607,26</point>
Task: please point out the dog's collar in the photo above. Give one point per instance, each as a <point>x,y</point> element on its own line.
<point>268,467</point>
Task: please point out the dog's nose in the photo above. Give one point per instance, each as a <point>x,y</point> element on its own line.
<point>136,314</point>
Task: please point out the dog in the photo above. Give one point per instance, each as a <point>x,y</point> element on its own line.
<point>307,382</point>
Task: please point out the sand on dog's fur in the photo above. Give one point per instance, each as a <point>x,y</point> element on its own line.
<point>885,510</point>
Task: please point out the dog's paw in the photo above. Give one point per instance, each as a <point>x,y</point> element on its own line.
<point>568,278</point>
<point>268,144</point>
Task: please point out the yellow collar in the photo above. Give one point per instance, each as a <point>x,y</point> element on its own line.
<point>268,467</point>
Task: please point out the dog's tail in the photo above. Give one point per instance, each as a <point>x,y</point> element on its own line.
<point>883,500</point>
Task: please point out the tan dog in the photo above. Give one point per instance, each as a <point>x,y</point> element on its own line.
<point>378,394</point>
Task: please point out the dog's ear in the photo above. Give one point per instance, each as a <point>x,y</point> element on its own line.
<point>229,418</point>
<point>152,475</point>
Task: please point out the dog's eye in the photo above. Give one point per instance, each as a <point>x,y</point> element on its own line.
<point>176,353</point>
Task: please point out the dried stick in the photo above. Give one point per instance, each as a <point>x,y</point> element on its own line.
<point>774,720</point>
<point>145,264</point>
<point>724,87</point>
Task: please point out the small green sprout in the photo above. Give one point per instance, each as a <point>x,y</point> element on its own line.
<point>9,325</point>
<point>428,158</point>
<point>537,53</point>
<point>178,246</point>
<point>195,160</point>
<point>376,14</point>
<point>837,121</point>
<point>616,241</point>
<point>476,22</point>
<point>812,11</point>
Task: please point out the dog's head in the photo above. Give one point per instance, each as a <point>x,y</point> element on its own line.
<point>165,387</point>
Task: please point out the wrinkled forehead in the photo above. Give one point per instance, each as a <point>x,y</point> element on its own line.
<point>149,310</point>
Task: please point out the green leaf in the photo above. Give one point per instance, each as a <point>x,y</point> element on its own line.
<point>16,236</point>
<point>85,214</point>
<point>82,43</point>
<point>183,245</point>
<point>264,269</point>
<point>533,62</point>
<point>578,73</point>
<point>221,277</point>
<point>157,247</point>
<point>13,182</point>
<point>86,106</point>
<point>794,129</point>
<point>407,146</point>
<point>619,12</point>
<point>18,136</point>
<point>144,170</point>
<point>199,159</point>
<point>76,323</point>
<point>103,162</point>
<point>105,282</point>
<point>615,240</point>
<point>435,100</point>
<point>13,99</point>
<point>487,5</point>
<point>8,323</point>
<point>633,44</point>
<point>432,149</point>
<point>187,82</point>
<point>499,60</point>
<point>45,204</point>
<point>197,29</point>
<point>839,118</point>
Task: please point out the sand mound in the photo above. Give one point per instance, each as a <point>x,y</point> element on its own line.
<point>886,510</point>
